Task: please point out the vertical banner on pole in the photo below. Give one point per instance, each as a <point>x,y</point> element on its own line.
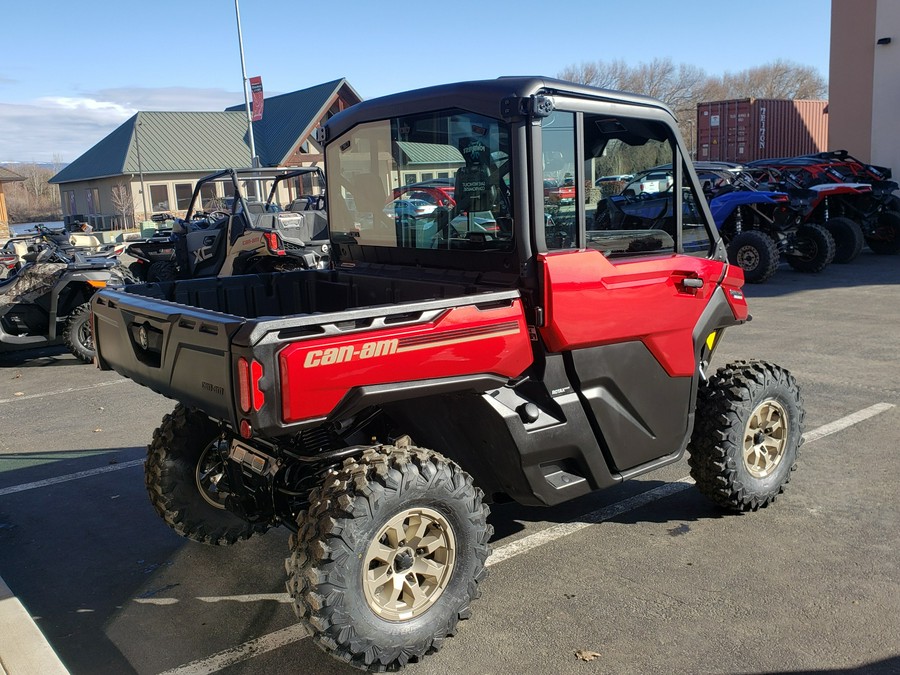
<point>257,89</point>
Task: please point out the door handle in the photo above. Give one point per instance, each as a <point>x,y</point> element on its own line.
<point>691,282</point>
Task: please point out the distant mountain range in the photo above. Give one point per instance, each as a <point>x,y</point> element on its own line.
<point>11,165</point>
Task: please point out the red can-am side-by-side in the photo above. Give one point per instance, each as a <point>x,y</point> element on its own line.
<point>491,346</point>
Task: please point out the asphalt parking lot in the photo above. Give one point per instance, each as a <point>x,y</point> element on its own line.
<point>649,576</point>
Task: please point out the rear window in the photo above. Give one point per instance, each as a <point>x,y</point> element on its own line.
<point>367,166</point>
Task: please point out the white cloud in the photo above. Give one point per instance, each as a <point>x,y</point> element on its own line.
<point>68,126</point>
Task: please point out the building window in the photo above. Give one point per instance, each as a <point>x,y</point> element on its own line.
<point>70,202</point>
<point>89,194</point>
<point>95,192</point>
<point>159,198</point>
<point>183,196</point>
<point>427,176</point>
<point>409,178</point>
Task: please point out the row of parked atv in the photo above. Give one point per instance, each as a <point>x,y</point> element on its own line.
<point>810,210</point>
<point>47,279</point>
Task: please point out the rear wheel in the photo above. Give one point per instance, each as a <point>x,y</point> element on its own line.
<point>848,239</point>
<point>756,253</point>
<point>814,248</point>
<point>389,557</point>
<point>77,333</point>
<point>886,239</point>
<point>187,482</point>
<point>747,434</point>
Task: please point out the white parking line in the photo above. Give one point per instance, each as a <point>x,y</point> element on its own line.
<point>286,636</point>
<point>248,650</point>
<point>28,397</point>
<point>64,479</point>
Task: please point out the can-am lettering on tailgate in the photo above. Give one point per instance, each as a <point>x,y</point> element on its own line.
<point>316,374</point>
<point>325,357</point>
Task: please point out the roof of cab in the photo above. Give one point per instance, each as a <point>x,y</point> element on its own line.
<point>481,96</point>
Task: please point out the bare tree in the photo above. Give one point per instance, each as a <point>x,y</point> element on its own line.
<point>683,86</point>
<point>123,202</point>
<point>779,79</point>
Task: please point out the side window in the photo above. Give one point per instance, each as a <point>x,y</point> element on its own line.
<point>695,239</point>
<point>630,208</point>
<point>558,160</point>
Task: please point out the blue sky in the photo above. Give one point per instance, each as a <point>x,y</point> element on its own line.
<point>71,72</point>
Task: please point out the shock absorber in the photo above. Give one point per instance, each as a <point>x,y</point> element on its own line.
<point>827,199</point>
<point>738,221</point>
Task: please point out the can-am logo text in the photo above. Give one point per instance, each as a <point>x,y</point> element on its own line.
<point>368,350</point>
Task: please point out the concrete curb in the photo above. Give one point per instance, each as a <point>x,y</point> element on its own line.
<point>23,648</point>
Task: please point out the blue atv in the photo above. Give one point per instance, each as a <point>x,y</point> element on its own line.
<point>760,226</point>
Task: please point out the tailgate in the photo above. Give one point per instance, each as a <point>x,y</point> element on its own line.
<point>178,351</point>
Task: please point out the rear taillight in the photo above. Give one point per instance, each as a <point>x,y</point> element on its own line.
<point>273,243</point>
<point>249,375</point>
<point>244,384</point>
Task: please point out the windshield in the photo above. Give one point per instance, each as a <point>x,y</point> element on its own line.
<point>437,181</point>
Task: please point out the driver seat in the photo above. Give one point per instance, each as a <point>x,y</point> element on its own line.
<point>474,190</point>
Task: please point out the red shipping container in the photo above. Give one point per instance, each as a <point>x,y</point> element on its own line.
<point>743,130</point>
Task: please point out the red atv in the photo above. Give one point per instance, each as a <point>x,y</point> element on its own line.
<point>851,191</point>
<point>374,408</point>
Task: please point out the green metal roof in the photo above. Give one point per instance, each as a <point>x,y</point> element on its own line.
<point>428,153</point>
<point>168,142</point>
<point>289,117</point>
<point>173,142</point>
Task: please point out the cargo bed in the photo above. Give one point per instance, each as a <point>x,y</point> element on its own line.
<point>182,339</point>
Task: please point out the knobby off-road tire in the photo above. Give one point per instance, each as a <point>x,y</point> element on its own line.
<point>887,234</point>
<point>389,557</point>
<point>848,239</point>
<point>756,253</point>
<point>162,271</point>
<point>77,333</point>
<point>184,477</point>
<point>747,435</point>
<point>815,248</point>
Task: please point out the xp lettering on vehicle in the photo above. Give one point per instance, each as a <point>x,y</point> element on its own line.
<point>496,345</point>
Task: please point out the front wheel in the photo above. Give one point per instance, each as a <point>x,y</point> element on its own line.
<point>814,248</point>
<point>77,333</point>
<point>747,434</point>
<point>187,483</point>
<point>886,239</point>
<point>389,557</point>
<point>756,253</point>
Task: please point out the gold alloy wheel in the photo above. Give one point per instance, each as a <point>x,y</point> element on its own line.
<point>765,438</point>
<point>409,564</point>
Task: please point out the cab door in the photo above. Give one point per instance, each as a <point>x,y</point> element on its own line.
<point>623,304</point>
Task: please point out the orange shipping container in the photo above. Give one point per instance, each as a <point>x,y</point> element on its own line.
<point>743,130</point>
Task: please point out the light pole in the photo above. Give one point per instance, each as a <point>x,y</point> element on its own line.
<point>137,145</point>
<point>253,160</point>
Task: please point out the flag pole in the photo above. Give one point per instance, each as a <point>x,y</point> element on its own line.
<point>253,159</point>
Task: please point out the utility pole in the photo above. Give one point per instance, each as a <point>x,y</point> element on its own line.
<point>253,159</point>
<point>137,145</point>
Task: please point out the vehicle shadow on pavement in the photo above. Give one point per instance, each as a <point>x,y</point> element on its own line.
<point>867,270</point>
<point>888,666</point>
<point>40,357</point>
<point>115,591</point>
<point>687,505</point>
